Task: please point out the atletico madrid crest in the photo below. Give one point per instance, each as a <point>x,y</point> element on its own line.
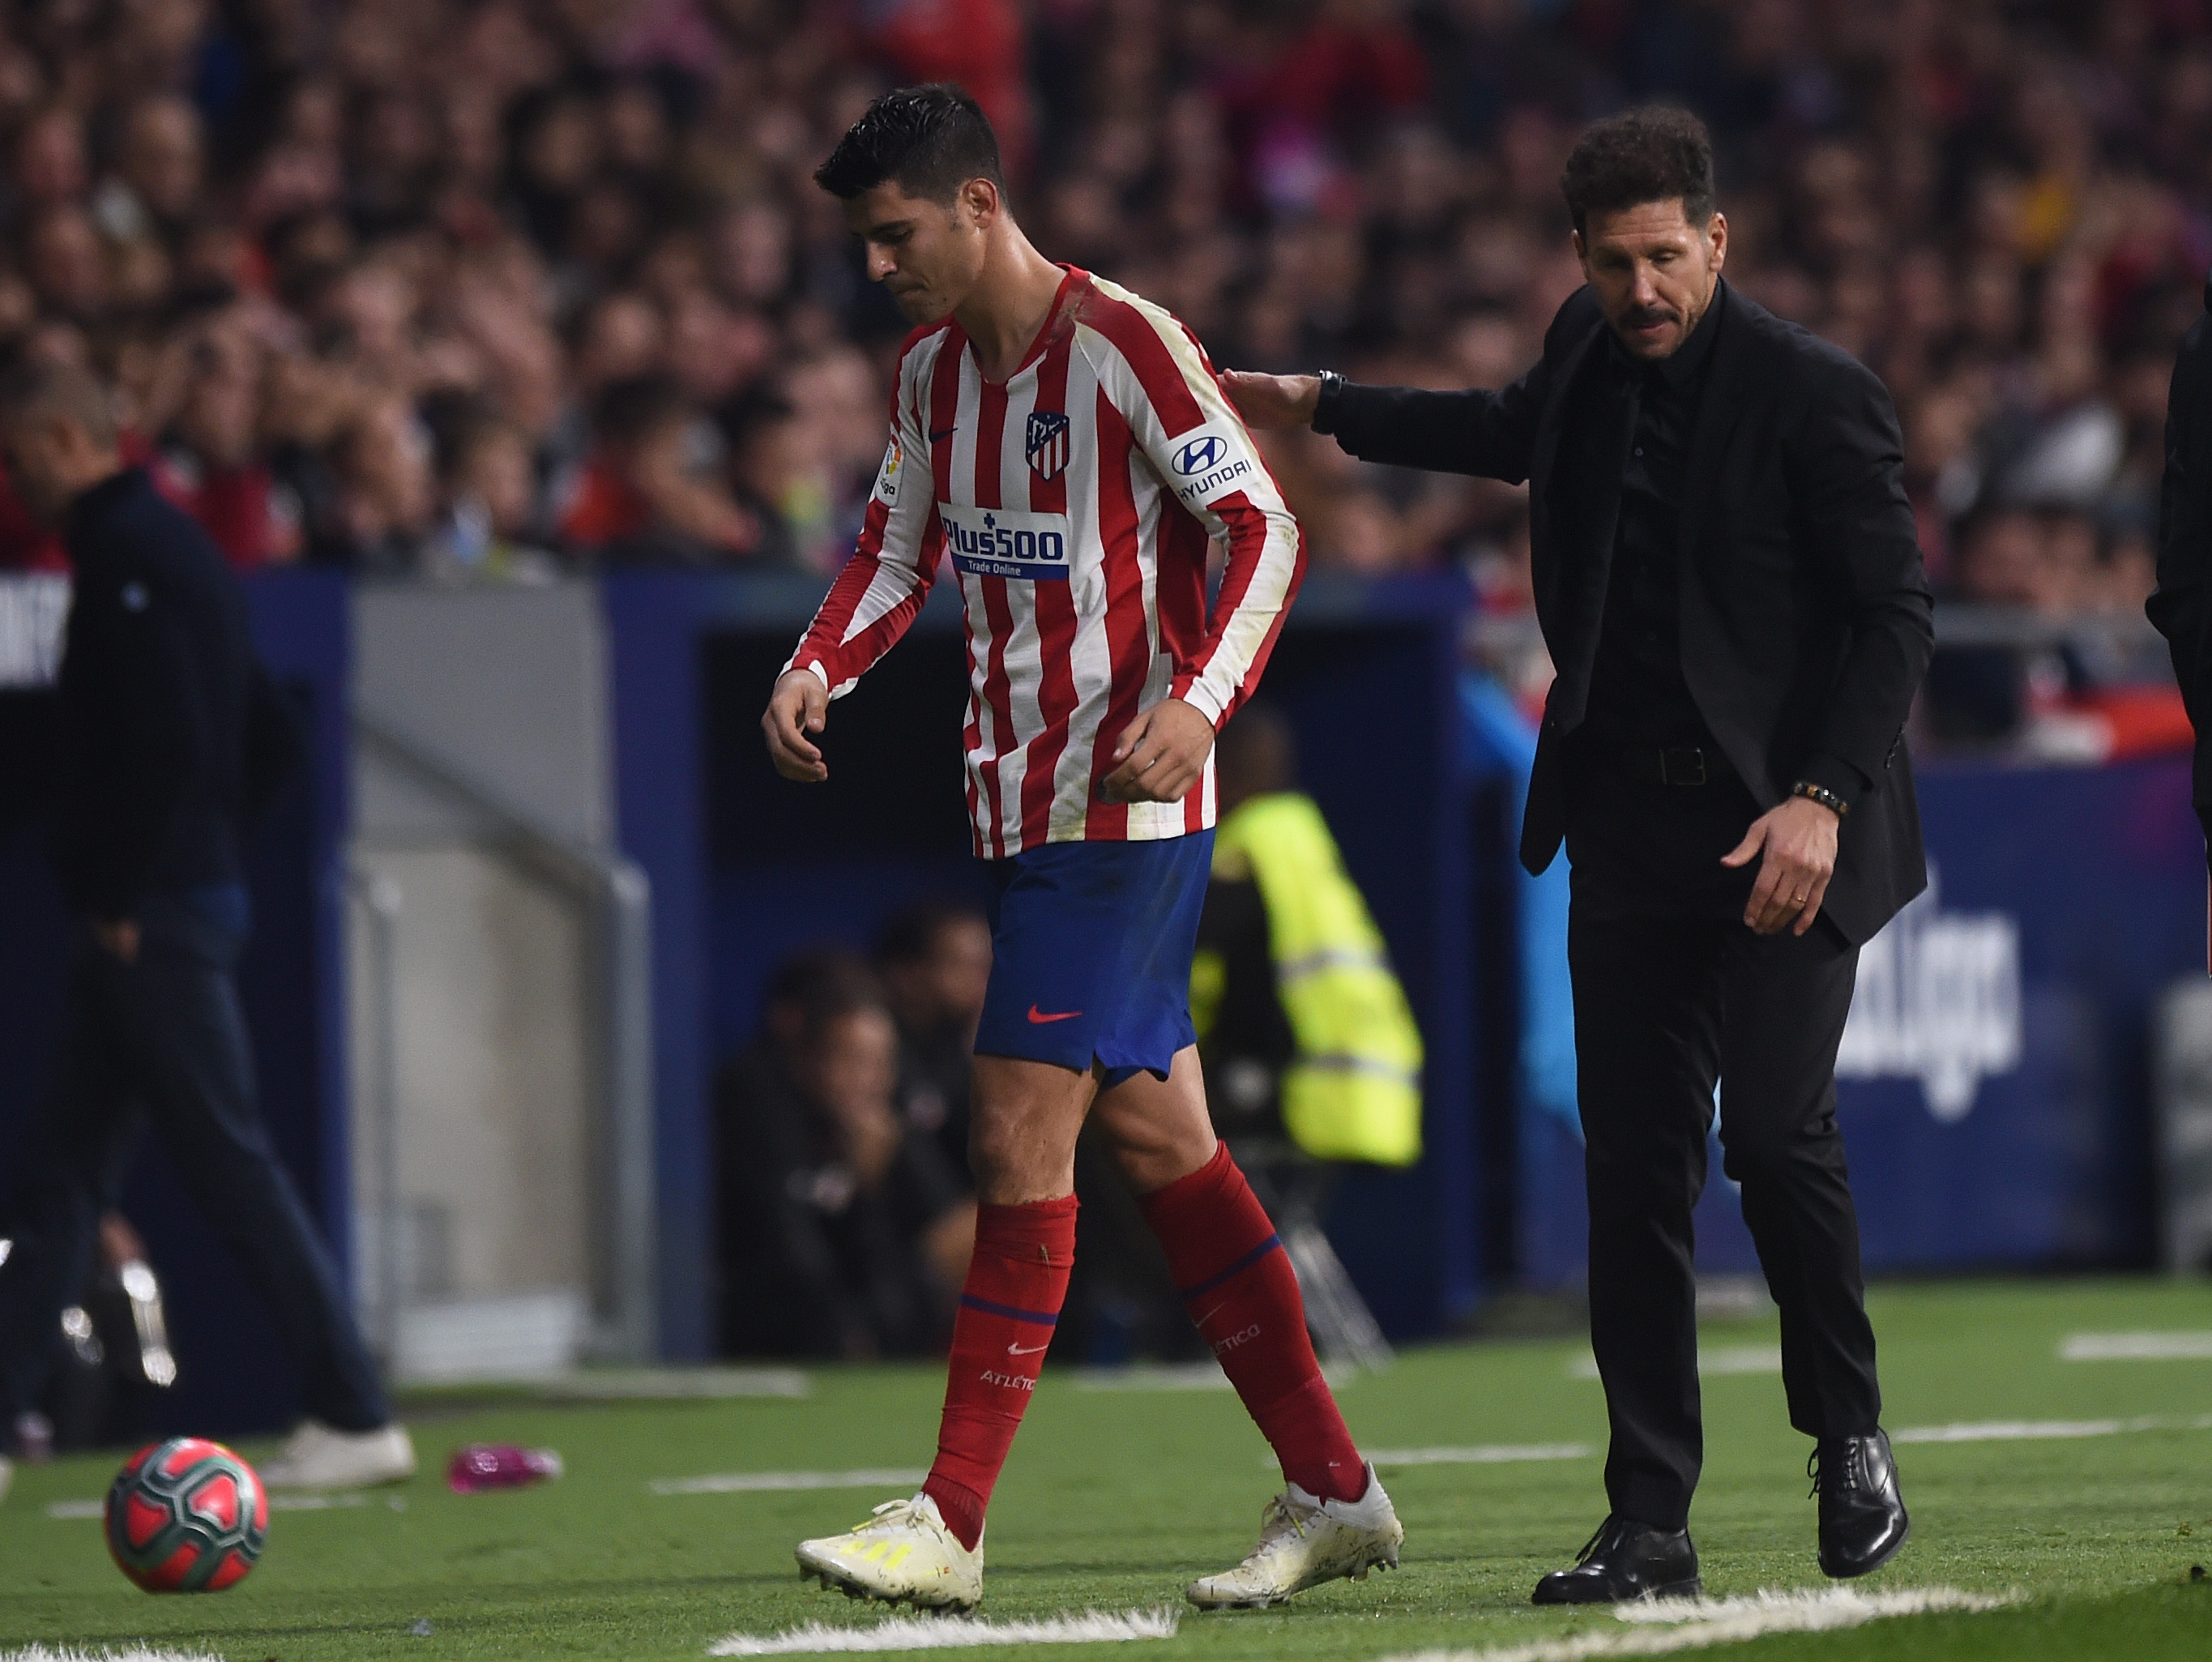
<point>1047,445</point>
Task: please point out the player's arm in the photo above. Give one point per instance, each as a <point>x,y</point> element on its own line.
<point>870,605</point>
<point>1491,435</point>
<point>1199,445</point>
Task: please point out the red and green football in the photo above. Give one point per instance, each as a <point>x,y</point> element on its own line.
<point>186,1516</point>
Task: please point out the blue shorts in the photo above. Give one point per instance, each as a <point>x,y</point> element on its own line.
<point>1091,945</point>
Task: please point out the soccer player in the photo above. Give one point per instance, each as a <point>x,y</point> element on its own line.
<point>1064,443</point>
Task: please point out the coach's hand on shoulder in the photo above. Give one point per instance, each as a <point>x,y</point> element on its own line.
<point>798,706</point>
<point>1798,841</point>
<point>1272,402</point>
<point>1160,755</point>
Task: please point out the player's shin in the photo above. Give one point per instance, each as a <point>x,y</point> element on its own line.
<point>1016,1284</point>
<point>1237,1283</point>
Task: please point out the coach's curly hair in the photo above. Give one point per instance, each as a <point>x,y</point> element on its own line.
<point>1651,155</point>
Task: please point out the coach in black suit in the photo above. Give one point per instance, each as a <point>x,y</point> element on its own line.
<point>2185,545</point>
<point>1727,577</point>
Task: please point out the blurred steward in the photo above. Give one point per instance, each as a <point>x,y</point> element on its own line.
<point>1302,1027</point>
<point>934,961</point>
<point>844,1232</point>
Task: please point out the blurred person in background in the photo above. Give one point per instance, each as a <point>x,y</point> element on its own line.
<point>845,1232</point>
<point>488,501</point>
<point>1739,819</point>
<point>649,493</point>
<point>172,734</point>
<point>934,961</point>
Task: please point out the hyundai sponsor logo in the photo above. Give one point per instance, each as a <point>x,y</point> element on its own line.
<point>1200,454</point>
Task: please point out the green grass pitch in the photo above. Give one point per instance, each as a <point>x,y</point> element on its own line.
<point>1115,1499</point>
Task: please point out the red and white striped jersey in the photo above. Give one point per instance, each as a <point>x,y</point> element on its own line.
<point>1078,501</point>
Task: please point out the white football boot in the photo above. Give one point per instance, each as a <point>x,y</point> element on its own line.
<point>904,1552</point>
<point>316,1457</point>
<point>1305,1541</point>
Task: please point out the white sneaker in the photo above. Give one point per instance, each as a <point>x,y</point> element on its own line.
<point>318,1457</point>
<point>1303,1541</point>
<point>903,1552</point>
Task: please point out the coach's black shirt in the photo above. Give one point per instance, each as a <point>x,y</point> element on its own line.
<point>1638,694</point>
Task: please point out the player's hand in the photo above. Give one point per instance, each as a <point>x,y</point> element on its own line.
<point>1272,403</point>
<point>1798,842</point>
<point>800,705</point>
<point>1160,755</point>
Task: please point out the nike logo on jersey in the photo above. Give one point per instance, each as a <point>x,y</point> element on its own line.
<point>1026,1349</point>
<point>946,434</point>
<point>1039,1017</point>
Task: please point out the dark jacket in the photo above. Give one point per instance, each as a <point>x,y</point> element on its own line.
<point>1806,619</point>
<point>2185,540</point>
<point>170,727</point>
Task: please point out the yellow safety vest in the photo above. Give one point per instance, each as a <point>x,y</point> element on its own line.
<point>1353,1091</point>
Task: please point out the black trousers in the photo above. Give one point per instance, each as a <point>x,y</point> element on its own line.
<point>162,1041</point>
<point>1674,994</point>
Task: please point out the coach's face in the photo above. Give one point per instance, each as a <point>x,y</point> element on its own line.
<point>1653,270</point>
<point>928,254</point>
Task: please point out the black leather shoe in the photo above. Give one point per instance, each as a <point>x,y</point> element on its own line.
<point>1862,1521</point>
<point>1626,1560</point>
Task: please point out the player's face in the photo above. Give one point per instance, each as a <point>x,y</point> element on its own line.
<point>928,254</point>
<point>1654,272</point>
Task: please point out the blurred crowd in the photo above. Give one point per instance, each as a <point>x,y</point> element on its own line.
<point>484,289</point>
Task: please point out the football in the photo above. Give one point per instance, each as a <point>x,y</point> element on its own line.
<point>186,1516</point>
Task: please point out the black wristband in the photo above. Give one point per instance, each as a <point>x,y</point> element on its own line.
<point>1331,386</point>
<point>1821,793</point>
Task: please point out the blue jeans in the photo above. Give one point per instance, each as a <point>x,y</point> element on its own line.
<point>162,1041</point>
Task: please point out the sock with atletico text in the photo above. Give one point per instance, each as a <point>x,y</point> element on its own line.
<point>1008,1309</point>
<point>1237,1283</point>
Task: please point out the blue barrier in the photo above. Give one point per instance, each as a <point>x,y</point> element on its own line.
<point>1994,1083</point>
<point>232,1375</point>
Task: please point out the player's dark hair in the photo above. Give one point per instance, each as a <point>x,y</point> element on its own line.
<point>927,140</point>
<point>1651,154</point>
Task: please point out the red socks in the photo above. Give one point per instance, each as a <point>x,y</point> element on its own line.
<point>1016,1284</point>
<point>1237,1282</point>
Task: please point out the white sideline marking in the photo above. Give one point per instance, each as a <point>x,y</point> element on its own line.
<point>1185,1376</point>
<point>2136,1348</point>
<point>1683,1624</point>
<point>2037,1431</point>
<point>138,1654</point>
<point>946,1633</point>
<point>757,1482</point>
<point>1480,1454</point>
<point>1711,1363</point>
<point>68,1509</point>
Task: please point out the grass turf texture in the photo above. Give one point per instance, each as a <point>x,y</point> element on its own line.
<point>1114,1500</point>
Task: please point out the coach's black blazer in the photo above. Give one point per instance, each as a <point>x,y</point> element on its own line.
<point>1807,622</point>
<point>2184,541</point>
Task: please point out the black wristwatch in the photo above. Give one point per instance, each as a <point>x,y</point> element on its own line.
<point>1332,387</point>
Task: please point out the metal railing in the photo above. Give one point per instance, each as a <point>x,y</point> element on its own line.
<point>617,899</point>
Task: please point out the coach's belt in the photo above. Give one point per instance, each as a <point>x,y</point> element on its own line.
<point>1672,765</point>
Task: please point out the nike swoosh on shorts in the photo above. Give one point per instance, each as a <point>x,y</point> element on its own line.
<point>1040,1018</point>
